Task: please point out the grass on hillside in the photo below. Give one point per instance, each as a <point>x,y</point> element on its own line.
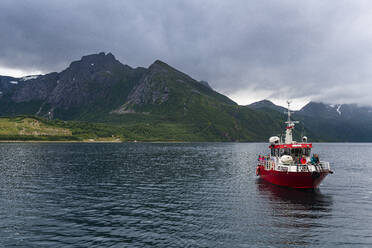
<point>31,128</point>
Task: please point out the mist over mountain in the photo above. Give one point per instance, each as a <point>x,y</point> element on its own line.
<point>267,104</point>
<point>333,122</point>
<point>99,88</point>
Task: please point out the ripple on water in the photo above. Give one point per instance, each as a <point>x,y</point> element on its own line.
<point>176,195</point>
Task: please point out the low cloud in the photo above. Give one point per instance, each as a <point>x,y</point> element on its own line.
<point>315,50</point>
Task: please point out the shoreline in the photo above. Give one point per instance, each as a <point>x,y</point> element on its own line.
<point>154,142</point>
<point>59,141</point>
<point>99,141</point>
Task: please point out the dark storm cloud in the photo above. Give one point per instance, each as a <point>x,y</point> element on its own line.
<point>316,50</point>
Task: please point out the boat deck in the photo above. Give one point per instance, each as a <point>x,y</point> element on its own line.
<point>293,167</point>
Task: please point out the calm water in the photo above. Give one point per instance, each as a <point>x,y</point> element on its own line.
<point>177,195</point>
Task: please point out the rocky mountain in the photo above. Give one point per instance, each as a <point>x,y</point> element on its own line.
<point>338,122</point>
<point>99,88</point>
<point>323,110</point>
<point>161,101</point>
<point>343,122</point>
<point>267,104</point>
<point>99,82</point>
<point>346,112</point>
<point>93,80</point>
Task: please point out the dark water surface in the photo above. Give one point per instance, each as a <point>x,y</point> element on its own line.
<point>177,195</point>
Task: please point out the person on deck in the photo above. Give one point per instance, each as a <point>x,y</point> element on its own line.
<point>303,160</point>
<point>315,159</point>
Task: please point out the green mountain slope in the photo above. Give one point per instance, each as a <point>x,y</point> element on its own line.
<point>98,97</point>
<point>325,122</point>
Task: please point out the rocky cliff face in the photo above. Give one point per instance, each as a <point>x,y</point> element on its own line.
<point>336,122</point>
<point>86,80</point>
<point>96,82</point>
<point>99,88</point>
<point>337,112</point>
<point>81,83</point>
<point>37,88</point>
<point>149,90</point>
<point>319,110</point>
<point>7,85</point>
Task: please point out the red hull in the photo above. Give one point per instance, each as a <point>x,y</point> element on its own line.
<point>302,180</point>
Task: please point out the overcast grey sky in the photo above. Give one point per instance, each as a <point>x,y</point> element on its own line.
<point>249,50</point>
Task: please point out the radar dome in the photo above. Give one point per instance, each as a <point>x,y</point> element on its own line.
<point>274,140</point>
<point>286,159</point>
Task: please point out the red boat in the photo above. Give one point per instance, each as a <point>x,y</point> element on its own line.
<point>290,163</point>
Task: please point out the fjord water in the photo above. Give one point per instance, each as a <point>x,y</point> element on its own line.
<point>177,195</point>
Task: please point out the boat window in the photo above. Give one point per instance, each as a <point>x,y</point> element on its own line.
<point>275,152</point>
<point>285,151</point>
<point>299,152</point>
<point>295,152</point>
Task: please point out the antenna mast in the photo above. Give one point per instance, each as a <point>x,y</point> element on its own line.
<point>290,126</point>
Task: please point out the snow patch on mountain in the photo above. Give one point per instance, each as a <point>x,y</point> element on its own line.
<point>13,82</point>
<point>29,77</point>
<point>338,109</point>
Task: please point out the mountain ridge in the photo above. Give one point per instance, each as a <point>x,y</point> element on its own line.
<point>153,100</point>
<point>336,122</point>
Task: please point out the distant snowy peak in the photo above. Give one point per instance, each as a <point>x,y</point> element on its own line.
<point>345,112</point>
<point>338,109</point>
<point>23,79</point>
<point>29,77</point>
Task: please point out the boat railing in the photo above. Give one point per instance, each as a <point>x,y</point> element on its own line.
<point>292,166</point>
<point>267,163</point>
<point>302,168</point>
<point>324,165</point>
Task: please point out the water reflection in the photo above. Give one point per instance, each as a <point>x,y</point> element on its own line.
<point>172,195</point>
<point>299,212</point>
<point>311,199</point>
